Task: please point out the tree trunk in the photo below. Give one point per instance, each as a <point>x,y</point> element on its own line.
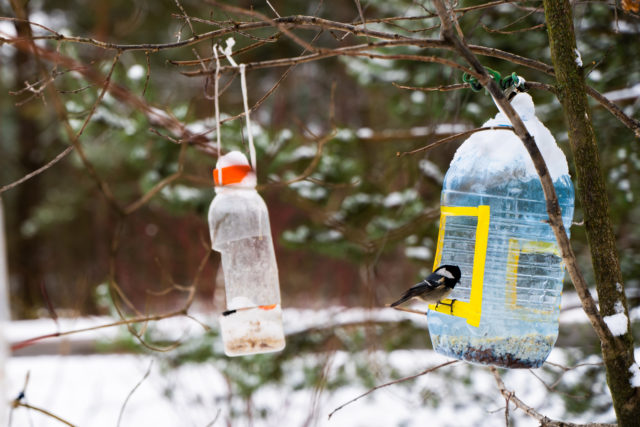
<point>27,254</point>
<point>618,351</point>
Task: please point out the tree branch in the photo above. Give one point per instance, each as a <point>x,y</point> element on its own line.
<point>510,396</point>
<point>426,371</point>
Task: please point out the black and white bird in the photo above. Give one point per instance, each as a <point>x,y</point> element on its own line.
<point>436,287</point>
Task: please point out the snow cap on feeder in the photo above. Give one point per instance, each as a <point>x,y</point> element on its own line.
<point>503,154</point>
<point>494,226</point>
<point>233,169</point>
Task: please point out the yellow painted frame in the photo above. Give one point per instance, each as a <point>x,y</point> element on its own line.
<point>516,247</point>
<point>471,310</point>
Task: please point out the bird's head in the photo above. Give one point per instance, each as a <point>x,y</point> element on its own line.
<point>450,273</point>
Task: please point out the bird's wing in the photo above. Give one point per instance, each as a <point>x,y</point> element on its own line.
<point>418,289</point>
<point>434,281</point>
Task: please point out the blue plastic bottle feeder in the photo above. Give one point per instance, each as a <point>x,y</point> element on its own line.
<point>493,225</point>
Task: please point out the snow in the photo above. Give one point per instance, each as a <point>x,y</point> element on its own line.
<point>635,375</point>
<point>444,128</point>
<point>181,193</point>
<point>7,29</point>
<point>90,390</point>
<point>502,147</point>
<point>364,133</point>
<point>397,198</point>
<point>393,199</point>
<point>578,58</point>
<point>136,72</point>
<point>309,190</point>
<point>300,234</point>
<point>329,236</point>
<point>418,252</point>
<point>418,97</point>
<point>303,152</point>
<point>430,169</point>
<point>622,94</point>
<point>618,307</point>
<point>617,323</point>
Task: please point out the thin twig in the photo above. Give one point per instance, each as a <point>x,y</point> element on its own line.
<point>37,171</point>
<point>542,419</point>
<point>408,310</point>
<point>104,187</point>
<point>49,414</point>
<point>160,185</point>
<point>18,402</point>
<point>312,21</point>
<point>522,30</point>
<point>148,74</point>
<point>314,162</point>
<point>273,22</point>
<point>133,390</point>
<point>186,17</point>
<point>442,88</point>
<point>130,321</point>
<point>453,138</point>
<point>426,371</point>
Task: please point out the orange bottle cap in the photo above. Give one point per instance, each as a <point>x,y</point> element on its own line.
<point>231,174</point>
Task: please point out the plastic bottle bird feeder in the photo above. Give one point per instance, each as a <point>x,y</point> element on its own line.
<point>493,225</point>
<point>240,231</point>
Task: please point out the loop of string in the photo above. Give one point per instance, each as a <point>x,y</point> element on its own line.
<point>245,100</point>
<point>217,106</point>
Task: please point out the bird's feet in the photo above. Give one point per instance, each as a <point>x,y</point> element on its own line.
<point>449,304</point>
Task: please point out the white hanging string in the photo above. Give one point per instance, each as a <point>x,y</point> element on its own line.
<point>217,107</point>
<point>245,100</point>
<point>227,52</point>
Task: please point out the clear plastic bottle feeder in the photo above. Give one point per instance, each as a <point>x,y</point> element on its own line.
<point>493,225</point>
<point>240,231</point>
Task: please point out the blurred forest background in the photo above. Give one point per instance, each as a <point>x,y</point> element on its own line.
<point>356,231</point>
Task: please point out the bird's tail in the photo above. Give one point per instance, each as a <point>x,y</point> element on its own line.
<point>404,298</point>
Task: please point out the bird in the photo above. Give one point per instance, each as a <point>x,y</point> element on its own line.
<point>435,287</point>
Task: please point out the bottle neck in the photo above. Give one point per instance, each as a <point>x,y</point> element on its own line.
<point>235,189</point>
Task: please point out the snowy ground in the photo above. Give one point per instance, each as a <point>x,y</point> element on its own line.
<point>89,390</point>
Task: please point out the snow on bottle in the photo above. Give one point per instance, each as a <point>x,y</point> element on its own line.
<point>240,231</point>
<point>493,225</point>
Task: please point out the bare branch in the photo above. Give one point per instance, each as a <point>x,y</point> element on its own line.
<point>49,414</point>
<point>510,396</point>
<point>133,390</point>
<point>104,187</point>
<point>453,138</point>
<point>20,401</point>
<point>442,88</point>
<point>426,371</point>
<point>37,171</point>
